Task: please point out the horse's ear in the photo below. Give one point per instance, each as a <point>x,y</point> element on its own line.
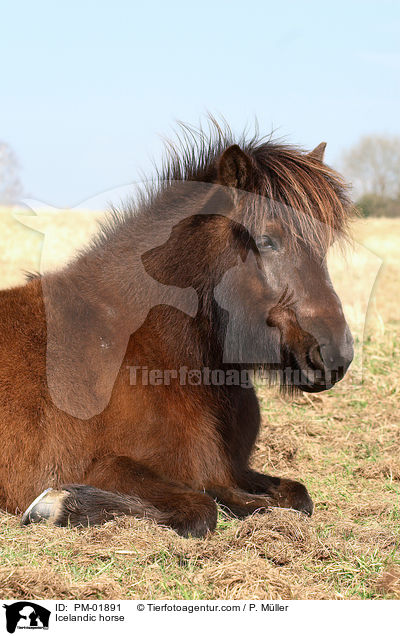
<point>318,152</point>
<point>234,168</point>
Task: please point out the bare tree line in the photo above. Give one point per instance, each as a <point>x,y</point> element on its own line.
<point>373,168</point>
<point>10,185</point>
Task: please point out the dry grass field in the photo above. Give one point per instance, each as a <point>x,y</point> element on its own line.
<point>344,444</point>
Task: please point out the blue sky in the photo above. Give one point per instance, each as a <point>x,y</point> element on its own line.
<point>87,89</point>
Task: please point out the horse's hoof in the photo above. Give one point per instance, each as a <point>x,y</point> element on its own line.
<point>47,506</point>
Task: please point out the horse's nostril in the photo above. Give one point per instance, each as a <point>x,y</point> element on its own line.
<point>335,360</point>
<point>315,358</point>
<point>327,356</point>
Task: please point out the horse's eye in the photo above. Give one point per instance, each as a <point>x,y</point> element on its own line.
<point>266,243</point>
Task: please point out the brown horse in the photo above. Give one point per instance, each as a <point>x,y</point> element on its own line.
<point>123,382</point>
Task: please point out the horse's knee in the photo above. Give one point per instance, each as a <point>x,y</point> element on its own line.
<point>193,514</point>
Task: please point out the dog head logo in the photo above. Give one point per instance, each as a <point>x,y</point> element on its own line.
<point>26,615</point>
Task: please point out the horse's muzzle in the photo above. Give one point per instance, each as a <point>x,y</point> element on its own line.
<point>329,361</point>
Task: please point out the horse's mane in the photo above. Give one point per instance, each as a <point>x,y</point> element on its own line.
<point>308,197</point>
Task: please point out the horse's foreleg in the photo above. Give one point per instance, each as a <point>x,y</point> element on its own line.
<point>118,485</point>
<point>285,493</point>
<point>257,491</point>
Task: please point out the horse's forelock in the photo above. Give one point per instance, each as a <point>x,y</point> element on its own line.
<point>310,199</point>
